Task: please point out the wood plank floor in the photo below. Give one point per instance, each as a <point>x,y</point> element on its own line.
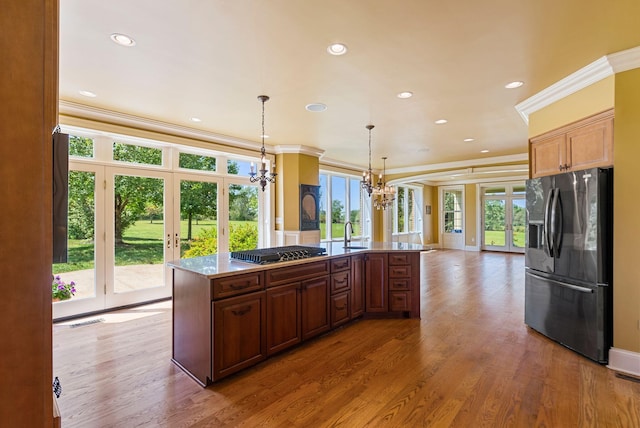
<point>470,361</point>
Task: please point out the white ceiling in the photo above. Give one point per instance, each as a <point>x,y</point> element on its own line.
<point>212,58</point>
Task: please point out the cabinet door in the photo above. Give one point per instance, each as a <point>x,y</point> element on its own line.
<point>357,286</point>
<point>547,155</point>
<point>340,308</point>
<point>239,333</point>
<point>315,306</point>
<point>590,146</point>
<point>283,317</point>
<point>376,280</point>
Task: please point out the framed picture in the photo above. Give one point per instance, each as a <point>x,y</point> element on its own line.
<point>309,207</point>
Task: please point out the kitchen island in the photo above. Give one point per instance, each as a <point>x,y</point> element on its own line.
<point>229,315</point>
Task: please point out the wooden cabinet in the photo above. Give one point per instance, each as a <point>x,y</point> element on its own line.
<point>357,285</point>
<point>283,317</point>
<point>376,280</point>
<point>315,307</point>
<point>239,341</point>
<point>225,323</point>
<point>581,145</point>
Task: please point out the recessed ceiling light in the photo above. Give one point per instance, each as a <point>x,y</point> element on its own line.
<point>316,107</point>
<point>514,85</point>
<point>484,151</point>
<point>441,121</point>
<point>122,39</point>
<point>87,93</point>
<point>337,49</point>
<point>468,140</point>
<point>405,94</point>
<point>195,119</point>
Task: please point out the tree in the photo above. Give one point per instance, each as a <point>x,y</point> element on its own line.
<point>243,202</point>
<point>494,215</point>
<point>337,211</point>
<point>81,205</point>
<point>198,198</point>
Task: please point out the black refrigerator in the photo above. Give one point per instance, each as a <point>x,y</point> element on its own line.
<point>569,260</point>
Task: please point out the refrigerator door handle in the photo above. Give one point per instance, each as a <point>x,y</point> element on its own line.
<point>548,248</point>
<point>556,223</point>
<point>563,284</point>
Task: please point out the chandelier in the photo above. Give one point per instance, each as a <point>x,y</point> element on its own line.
<point>265,176</point>
<point>366,175</point>
<point>383,195</point>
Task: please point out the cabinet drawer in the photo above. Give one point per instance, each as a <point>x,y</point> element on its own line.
<point>340,264</point>
<point>399,301</point>
<point>299,272</point>
<point>399,284</point>
<point>340,309</point>
<point>340,281</point>
<point>237,284</point>
<point>399,271</point>
<point>399,259</point>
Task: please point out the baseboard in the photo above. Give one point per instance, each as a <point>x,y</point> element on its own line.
<point>472,248</point>
<point>624,361</point>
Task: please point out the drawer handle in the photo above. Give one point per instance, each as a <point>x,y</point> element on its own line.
<point>240,287</point>
<point>338,281</point>
<point>241,311</point>
<point>341,307</point>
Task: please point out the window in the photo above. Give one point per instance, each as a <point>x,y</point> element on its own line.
<point>452,211</point>
<point>80,146</point>
<point>408,217</point>
<point>341,200</point>
<point>136,154</point>
<point>197,162</point>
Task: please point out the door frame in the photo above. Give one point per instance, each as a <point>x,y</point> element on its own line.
<point>508,197</point>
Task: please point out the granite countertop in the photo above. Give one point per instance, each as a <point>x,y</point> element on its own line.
<point>221,264</point>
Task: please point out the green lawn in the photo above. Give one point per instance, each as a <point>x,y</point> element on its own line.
<point>337,230</point>
<point>497,237</point>
<point>143,244</point>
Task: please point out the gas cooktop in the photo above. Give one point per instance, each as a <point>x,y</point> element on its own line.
<point>278,254</point>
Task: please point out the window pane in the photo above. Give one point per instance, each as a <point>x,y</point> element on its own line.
<point>323,206</point>
<point>453,211</point>
<point>355,213</point>
<point>198,218</point>
<point>238,167</point>
<point>494,191</point>
<point>80,146</point>
<point>243,217</point>
<point>411,210</point>
<point>199,162</point>
<point>519,190</point>
<point>137,154</point>
<point>338,206</point>
<point>401,208</point>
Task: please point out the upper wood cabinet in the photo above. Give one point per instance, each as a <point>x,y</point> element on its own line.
<point>584,144</point>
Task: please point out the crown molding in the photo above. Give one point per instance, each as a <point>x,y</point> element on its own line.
<point>600,69</point>
<point>521,157</point>
<point>299,149</point>
<point>83,111</point>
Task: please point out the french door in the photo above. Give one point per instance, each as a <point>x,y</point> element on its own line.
<point>503,217</point>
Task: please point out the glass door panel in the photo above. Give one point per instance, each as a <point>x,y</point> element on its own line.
<point>518,222</point>
<point>198,217</point>
<point>140,239</point>
<point>243,222</point>
<point>81,268</point>
<point>495,230</point>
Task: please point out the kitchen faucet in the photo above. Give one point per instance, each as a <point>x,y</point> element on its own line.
<point>347,234</point>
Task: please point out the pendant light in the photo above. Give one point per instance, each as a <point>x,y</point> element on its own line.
<point>384,195</point>
<point>265,176</point>
<point>366,175</point>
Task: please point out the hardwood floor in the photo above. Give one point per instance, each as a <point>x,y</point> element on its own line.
<point>470,361</point>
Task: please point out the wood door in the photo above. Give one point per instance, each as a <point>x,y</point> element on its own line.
<point>357,286</point>
<point>283,317</point>
<point>239,333</point>
<point>548,155</point>
<point>376,280</point>
<point>315,306</point>
<point>590,146</point>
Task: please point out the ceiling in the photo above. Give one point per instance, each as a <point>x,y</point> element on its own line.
<point>210,59</point>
